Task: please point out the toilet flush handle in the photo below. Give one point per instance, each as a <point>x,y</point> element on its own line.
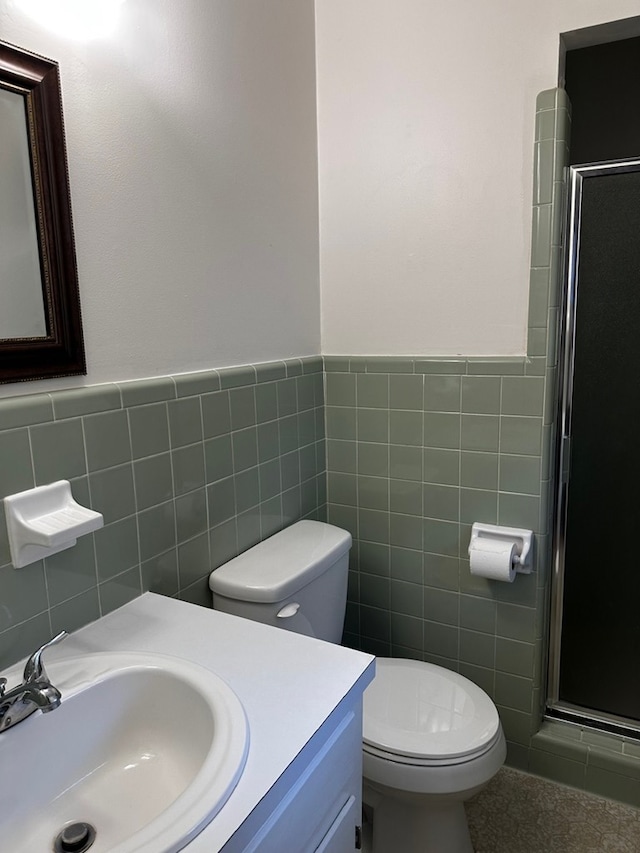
<point>288,610</point>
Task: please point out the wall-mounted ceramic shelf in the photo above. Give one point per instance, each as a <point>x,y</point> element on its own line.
<point>44,521</point>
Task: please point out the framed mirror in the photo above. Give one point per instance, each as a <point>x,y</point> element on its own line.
<point>40,321</point>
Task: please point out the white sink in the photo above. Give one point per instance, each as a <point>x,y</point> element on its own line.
<point>146,748</point>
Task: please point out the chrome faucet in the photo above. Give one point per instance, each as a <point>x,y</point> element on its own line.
<point>34,693</point>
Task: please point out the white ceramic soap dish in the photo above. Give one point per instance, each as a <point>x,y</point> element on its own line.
<point>45,520</point>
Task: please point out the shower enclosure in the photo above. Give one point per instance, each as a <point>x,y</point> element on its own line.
<point>595,614</point>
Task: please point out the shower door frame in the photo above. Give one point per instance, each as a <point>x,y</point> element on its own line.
<point>556,708</point>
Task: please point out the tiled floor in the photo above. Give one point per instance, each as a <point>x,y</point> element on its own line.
<point>518,813</point>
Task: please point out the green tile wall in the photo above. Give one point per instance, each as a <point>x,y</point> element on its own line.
<point>414,458</point>
<point>188,471</point>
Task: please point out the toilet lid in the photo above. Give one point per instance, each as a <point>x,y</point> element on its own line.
<point>419,710</point>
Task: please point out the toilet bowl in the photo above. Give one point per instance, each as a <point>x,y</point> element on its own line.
<point>431,738</point>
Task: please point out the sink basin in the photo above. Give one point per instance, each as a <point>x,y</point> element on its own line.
<point>146,748</point>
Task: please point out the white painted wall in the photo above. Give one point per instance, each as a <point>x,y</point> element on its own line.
<point>191,135</point>
<point>426,123</point>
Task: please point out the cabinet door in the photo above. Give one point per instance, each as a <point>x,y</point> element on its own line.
<point>306,812</point>
<point>341,837</point>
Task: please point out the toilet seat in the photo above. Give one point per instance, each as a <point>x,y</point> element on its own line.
<point>419,714</point>
<point>413,761</point>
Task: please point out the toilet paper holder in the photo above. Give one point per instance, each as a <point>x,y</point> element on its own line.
<point>521,538</point>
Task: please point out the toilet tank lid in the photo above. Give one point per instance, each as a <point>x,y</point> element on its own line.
<point>282,564</point>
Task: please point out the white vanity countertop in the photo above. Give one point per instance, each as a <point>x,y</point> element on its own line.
<point>288,684</point>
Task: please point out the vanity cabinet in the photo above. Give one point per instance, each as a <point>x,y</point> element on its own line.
<point>316,806</point>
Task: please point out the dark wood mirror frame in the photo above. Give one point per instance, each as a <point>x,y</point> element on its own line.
<point>61,351</point>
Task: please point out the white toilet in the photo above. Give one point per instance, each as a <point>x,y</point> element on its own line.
<point>432,738</point>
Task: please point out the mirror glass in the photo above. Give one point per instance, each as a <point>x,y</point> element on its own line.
<point>40,325</point>
<point>21,298</point>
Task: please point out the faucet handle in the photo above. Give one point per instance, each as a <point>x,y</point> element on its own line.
<point>34,668</point>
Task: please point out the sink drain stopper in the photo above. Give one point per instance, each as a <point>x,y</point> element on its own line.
<point>75,838</point>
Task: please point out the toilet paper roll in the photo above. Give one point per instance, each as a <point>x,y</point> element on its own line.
<point>493,558</point>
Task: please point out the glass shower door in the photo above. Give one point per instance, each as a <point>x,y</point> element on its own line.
<point>595,642</point>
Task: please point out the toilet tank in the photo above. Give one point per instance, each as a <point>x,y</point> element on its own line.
<point>296,579</point>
